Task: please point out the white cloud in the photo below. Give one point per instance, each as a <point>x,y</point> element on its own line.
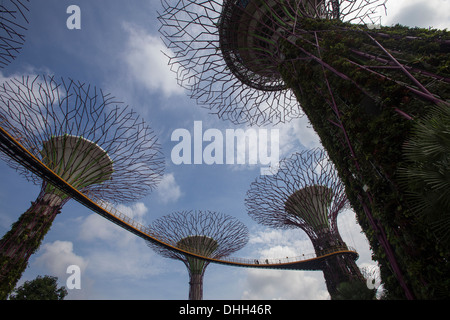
<point>272,243</point>
<point>420,13</point>
<point>280,284</point>
<point>115,252</point>
<point>137,211</point>
<point>135,261</point>
<point>95,227</point>
<point>57,256</point>
<point>55,259</point>
<point>147,64</point>
<point>353,236</point>
<point>168,189</point>
<point>295,133</point>
<point>293,136</point>
<point>284,285</point>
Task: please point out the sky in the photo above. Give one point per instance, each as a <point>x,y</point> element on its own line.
<point>118,49</point>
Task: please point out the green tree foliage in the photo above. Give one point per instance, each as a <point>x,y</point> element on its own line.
<point>41,288</point>
<point>355,290</point>
<point>425,173</point>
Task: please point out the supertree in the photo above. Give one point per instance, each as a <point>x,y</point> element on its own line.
<point>13,21</point>
<point>86,137</point>
<point>241,86</point>
<point>204,233</point>
<point>361,86</point>
<point>306,193</point>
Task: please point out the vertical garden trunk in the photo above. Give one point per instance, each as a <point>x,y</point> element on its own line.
<point>339,268</point>
<point>363,122</point>
<point>24,239</point>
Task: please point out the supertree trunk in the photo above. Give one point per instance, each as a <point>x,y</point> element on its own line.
<point>205,233</point>
<point>306,193</point>
<point>360,104</point>
<point>196,286</point>
<point>24,239</point>
<point>336,269</point>
<point>340,269</point>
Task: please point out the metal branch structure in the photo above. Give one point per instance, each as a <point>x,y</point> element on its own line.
<point>13,22</point>
<point>243,85</point>
<point>307,193</point>
<point>205,233</point>
<point>83,135</point>
<point>361,86</point>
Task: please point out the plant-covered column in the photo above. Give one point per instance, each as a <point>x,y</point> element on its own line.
<point>25,238</point>
<point>362,99</point>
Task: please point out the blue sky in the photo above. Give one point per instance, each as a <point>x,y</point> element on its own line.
<point>118,49</point>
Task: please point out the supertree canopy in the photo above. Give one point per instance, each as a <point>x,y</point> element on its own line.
<point>204,233</point>
<point>307,193</point>
<point>13,21</point>
<point>102,149</point>
<point>361,85</point>
<point>229,62</point>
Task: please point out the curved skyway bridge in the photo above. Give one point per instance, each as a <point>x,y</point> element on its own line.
<point>11,146</point>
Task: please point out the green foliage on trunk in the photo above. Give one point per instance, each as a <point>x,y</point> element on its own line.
<point>367,104</point>
<point>24,238</point>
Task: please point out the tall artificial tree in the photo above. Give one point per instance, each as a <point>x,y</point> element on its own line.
<point>204,233</point>
<point>306,193</point>
<point>360,84</point>
<point>100,148</point>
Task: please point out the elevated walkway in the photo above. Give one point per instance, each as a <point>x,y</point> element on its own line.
<point>17,152</point>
